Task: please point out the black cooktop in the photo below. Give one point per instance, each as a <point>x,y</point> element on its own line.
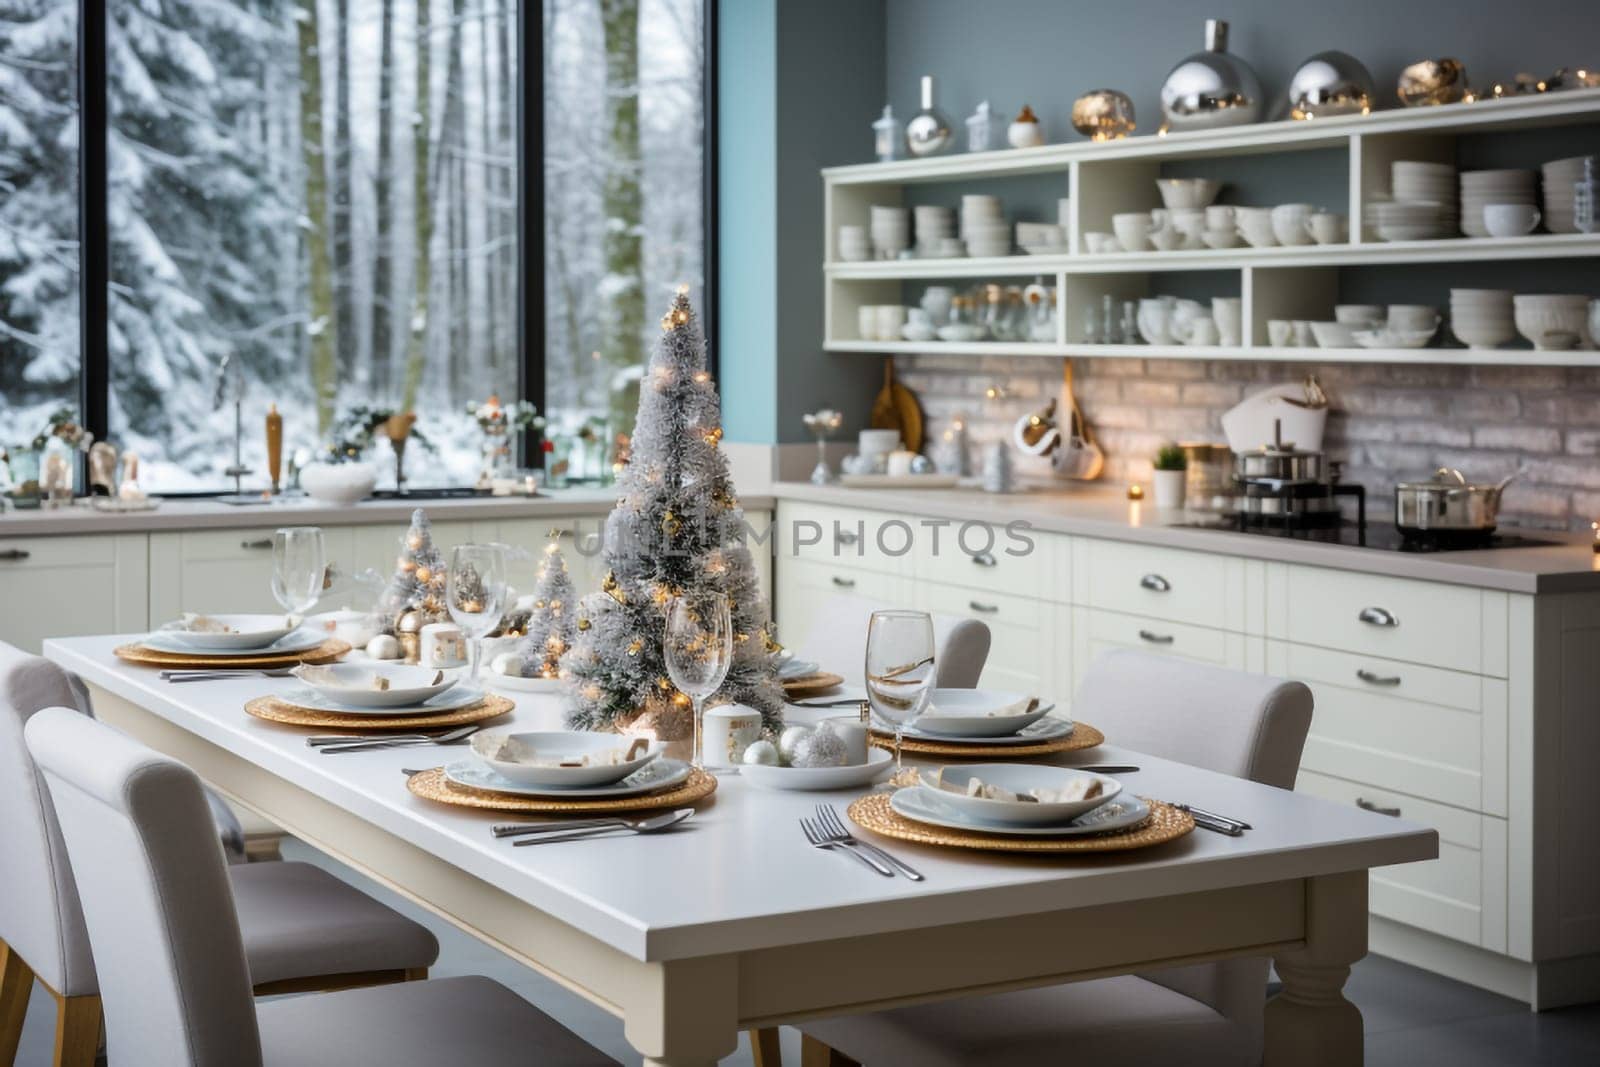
<point>1382,535</point>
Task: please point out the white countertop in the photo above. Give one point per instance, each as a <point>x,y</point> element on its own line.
<point>740,875</point>
<point>1098,511</point>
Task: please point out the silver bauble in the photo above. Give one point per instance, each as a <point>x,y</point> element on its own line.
<point>1211,89</point>
<point>928,132</point>
<point>761,754</point>
<point>822,748</point>
<point>1331,83</point>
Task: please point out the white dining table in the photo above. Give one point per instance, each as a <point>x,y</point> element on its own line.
<point>735,921</point>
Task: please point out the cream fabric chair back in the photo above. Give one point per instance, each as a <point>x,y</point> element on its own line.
<point>40,916</point>
<point>174,984</point>
<point>838,641</point>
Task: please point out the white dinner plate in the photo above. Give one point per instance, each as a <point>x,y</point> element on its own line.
<point>301,640</point>
<point>247,633</point>
<point>459,696</point>
<point>1118,814</point>
<point>515,683</point>
<point>978,713</point>
<point>408,686</point>
<point>806,779</point>
<point>1047,728</point>
<point>661,773</point>
<point>1018,778</point>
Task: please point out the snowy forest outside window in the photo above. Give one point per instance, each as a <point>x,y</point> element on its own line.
<point>327,190</point>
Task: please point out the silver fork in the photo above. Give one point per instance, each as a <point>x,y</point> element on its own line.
<point>213,674</point>
<point>821,839</point>
<point>458,734</point>
<point>836,830</point>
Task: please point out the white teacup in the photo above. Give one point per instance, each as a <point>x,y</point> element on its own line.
<point>890,318</point>
<point>1289,223</point>
<point>1327,228</point>
<point>1097,242</point>
<point>1133,230</point>
<point>1155,321</point>
<point>1255,226</point>
<point>1221,217</point>
<point>1303,335</point>
<point>1510,220</point>
<point>1280,333</point>
<point>1202,331</point>
<point>1166,238</point>
<point>1228,313</point>
<point>867,321</point>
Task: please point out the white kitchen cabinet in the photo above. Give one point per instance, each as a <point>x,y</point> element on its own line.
<point>1165,583</point>
<point>804,589</point>
<point>66,586</point>
<point>222,570</point>
<point>1095,632</point>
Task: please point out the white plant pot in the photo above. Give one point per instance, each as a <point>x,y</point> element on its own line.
<point>1169,489</point>
<point>339,483</point>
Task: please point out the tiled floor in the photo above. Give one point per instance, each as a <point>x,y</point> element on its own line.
<point>1413,1019</point>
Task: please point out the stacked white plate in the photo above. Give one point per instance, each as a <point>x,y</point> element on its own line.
<point>983,226</point>
<point>891,231</point>
<point>1403,220</point>
<point>1560,178</point>
<point>1482,318</point>
<point>1553,321</point>
<point>933,225</point>
<point>1416,182</point>
<point>1480,188</point>
<point>853,246</point>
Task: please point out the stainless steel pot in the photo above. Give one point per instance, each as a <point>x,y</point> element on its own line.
<point>1448,503</point>
<point>1287,465</point>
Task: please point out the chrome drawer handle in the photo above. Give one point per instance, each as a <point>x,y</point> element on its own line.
<point>983,559</point>
<point>845,537</point>
<point>1377,679</point>
<point>844,583</point>
<point>1366,805</point>
<point>1378,617</point>
<point>15,554</point>
<point>1155,583</point>
<point>260,543</point>
<point>987,609</point>
<point>1155,638</point>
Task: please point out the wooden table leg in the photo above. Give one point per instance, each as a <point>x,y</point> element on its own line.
<point>16,986</point>
<point>1310,1023</point>
<point>765,1047</point>
<point>684,1013</point>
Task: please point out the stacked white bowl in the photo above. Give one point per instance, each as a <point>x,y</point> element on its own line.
<point>1417,182</point>
<point>983,226</point>
<point>1553,321</point>
<point>853,246</point>
<point>933,225</point>
<point>1560,179</point>
<point>1482,318</point>
<point>1480,188</point>
<point>891,230</point>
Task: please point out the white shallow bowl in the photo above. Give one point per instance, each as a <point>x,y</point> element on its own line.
<point>1127,810</point>
<point>300,640</point>
<point>408,686</point>
<point>653,777</point>
<point>1018,778</point>
<point>555,745</point>
<point>1392,338</point>
<point>811,779</point>
<point>1333,335</point>
<point>249,633</point>
<point>978,713</point>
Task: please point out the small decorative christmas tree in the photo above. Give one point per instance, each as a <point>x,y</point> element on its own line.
<point>417,589</point>
<point>677,530</point>
<point>552,624</point>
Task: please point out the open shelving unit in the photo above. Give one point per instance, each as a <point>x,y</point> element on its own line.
<point>1106,178</point>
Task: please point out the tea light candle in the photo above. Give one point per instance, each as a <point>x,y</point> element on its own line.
<point>1135,491</point>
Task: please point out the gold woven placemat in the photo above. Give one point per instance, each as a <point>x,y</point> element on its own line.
<point>812,683</point>
<point>433,785</point>
<point>1166,823</point>
<point>327,652</point>
<point>1082,736</point>
<point>294,715</point>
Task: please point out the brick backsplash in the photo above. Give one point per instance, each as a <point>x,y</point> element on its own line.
<point>1389,423</point>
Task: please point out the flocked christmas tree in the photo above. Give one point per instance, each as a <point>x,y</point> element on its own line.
<point>552,622</point>
<point>415,596</point>
<point>677,530</point>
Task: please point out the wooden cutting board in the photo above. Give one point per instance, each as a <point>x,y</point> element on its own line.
<point>896,408</point>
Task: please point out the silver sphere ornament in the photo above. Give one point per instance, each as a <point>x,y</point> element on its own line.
<point>1211,89</point>
<point>823,748</point>
<point>1331,83</point>
<point>761,754</point>
<point>789,740</point>
<point>928,132</point>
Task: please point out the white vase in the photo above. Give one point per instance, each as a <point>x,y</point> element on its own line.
<point>1169,489</point>
<point>339,483</point>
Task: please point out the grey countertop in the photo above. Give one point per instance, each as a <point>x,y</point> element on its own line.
<point>1098,511</point>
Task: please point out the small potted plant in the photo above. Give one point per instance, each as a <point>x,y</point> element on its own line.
<point>1171,470</point>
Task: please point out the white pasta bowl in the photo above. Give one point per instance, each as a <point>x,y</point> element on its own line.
<point>979,712</point>
<point>536,758</point>
<point>948,788</point>
<point>339,483</point>
<point>228,633</point>
<point>351,683</point>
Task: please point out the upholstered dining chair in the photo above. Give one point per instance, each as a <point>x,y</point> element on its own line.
<point>158,904</point>
<point>1209,1014</point>
<point>837,642</point>
<point>302,927</point>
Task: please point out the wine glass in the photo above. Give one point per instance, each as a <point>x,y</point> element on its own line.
<point>299,567</point>
<point>900,668</point>
<point>475,592</point>
<point>699,649</point>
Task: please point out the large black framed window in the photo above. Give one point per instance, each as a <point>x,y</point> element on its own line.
<point>402,204</point>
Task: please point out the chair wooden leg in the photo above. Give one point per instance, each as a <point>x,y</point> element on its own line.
<point>16,986</point>
<point>416,974</point>
<point>814,1053</point>
<point>78,1021</point>
<point>764,1047</point>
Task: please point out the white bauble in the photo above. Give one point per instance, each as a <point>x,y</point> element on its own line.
<point>506,663</point>
<point>789,740</point>
<point>384,646</point>
<point>761,754</point>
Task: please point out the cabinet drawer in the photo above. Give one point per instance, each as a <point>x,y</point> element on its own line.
<point>1419,622</point>
<point>845,537</point>
<point>804,590</point>
<point>1019,631</point>
<point>228,570</point>
<point>980,555</point>
<point>66,586</point>
<point>1161,583</point>
<point>1095,632</point>
<point>1462,894</point>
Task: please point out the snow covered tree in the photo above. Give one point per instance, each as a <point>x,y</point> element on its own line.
<point>677,530</point>
<point>419,578</point>
<point>552,624</point>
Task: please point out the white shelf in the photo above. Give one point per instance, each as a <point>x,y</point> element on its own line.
<point>1439,356</point>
